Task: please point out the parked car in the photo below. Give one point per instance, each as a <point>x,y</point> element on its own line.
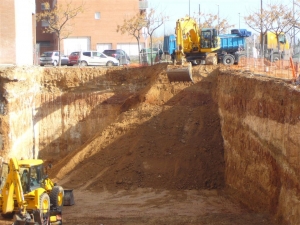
<point>52,58</point>
<point>92,58</point>
<point>119,54</point>
<point>74,58</point>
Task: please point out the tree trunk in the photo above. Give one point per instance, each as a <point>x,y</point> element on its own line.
<point>58,46</point>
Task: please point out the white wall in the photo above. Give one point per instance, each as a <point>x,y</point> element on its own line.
<point>74,44</point>
<point>24,31</point>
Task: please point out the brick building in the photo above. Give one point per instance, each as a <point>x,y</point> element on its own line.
<point>95,28</point>
<point>17,32</point>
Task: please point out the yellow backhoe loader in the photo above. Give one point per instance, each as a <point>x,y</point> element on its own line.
<point>29,195</point>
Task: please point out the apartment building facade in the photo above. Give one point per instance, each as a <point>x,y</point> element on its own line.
<point>17,32</point>
<point>95,28</point>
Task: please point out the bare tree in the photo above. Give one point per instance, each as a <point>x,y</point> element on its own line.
<point>212,21</point>
<point>278,19</point>
<point>58,19</point>
<point>133,26</point>
<point>283,20</point>
<point>261,22</point>
<point>153,22</point>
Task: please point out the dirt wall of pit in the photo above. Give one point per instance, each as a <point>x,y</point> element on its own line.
<point>260,125</point>
<point>50,113</point>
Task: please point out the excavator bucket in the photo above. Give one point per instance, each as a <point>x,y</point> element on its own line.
<point>180,73</point>
<point>68,197</point>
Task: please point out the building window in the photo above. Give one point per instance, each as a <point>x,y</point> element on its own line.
<point>97,15</point>
<point>44,43</point>
<point>44,6</point>
<point>45,23</point>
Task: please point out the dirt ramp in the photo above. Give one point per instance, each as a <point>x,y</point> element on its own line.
<point>171,140</point>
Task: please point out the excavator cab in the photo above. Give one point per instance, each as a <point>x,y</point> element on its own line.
<point>209,40</point>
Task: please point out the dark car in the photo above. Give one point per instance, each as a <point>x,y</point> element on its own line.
<point>119,54</point>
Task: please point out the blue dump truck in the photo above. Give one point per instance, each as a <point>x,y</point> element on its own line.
<point>232,46</point>
<point>169,44</point>
<point>229,48</point>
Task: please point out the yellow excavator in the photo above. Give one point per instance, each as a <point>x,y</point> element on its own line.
<point>29,195</point>
<point>205,46</point>
<point>190,40</point>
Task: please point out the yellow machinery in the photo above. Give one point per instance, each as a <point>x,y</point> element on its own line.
<point>275,47</point>
<point>200,45</point>
<point>29,194</point>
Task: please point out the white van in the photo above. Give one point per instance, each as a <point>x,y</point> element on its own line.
<point>92,58</point>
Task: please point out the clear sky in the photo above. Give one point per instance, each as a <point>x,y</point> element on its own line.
<point>232,10</point>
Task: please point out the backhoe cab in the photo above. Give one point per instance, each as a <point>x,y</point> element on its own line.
<point>28,193</point>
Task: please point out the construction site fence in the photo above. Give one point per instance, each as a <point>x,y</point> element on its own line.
<point>280,69</point>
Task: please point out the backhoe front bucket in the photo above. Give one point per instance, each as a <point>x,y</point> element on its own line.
<point>68,197</point>
<point>181,73</point>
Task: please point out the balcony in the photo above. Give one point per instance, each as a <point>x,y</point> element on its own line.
<point>143,4</point>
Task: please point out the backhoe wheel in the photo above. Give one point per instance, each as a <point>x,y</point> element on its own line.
<point>44,209</point>
<point>44,203</point>
<point>57,196</point>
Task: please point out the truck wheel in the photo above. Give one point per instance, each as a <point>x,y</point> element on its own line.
<point>228,59</point>
<point>276,57</point>
<point>57,196</point>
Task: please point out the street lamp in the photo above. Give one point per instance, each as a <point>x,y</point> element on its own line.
<point>189,8</point>
<point>239,21</point>
<point>218,20</point>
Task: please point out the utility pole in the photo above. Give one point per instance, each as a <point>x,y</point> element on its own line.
<point>218,20</point>
<point>294,41</point>
<point>199,16</point>
<point>189,8</point>
<point>239,21</point>
<point>261,30</point>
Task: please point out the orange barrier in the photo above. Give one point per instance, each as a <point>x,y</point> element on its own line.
<point>279,69</point>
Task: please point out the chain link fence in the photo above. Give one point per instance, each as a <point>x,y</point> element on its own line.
<point>272,63</point>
